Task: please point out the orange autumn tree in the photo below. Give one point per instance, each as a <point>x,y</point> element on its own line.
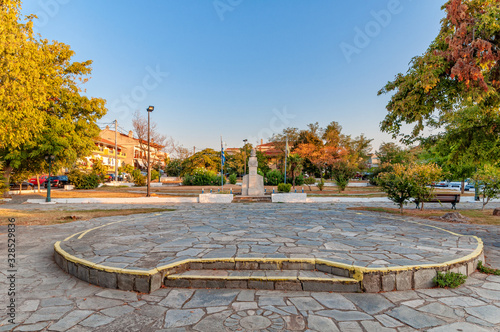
<point>321,156</point>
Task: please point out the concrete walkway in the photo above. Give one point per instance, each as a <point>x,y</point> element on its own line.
<point>50,299</point>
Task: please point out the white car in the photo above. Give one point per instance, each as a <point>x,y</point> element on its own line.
<point>441,184</point>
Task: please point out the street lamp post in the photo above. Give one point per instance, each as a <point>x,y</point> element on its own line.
<point>245,154</point>
<point>50,159</point>
<point>149,109</point>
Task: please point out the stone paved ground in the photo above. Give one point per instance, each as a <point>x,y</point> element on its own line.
<point>49,299</point>
<point>267,231</point>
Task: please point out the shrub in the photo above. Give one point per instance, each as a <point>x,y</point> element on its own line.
<point>284,187</point>
<point>321,184</point>
<point>232,178</point>
<point>299,180</point>
<point>82,180</point>
<point>488,270</point>
<point>449,279</point>
<point>187,180</point>
<point>274,177</point>
<point>155,175</point>
<point>140,180</point>
<point>309,181</point>
<point>135,174</point>
<point>202,177</point>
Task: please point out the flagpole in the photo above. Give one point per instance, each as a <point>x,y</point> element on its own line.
<point>221,164</point>
<point>286,155</point>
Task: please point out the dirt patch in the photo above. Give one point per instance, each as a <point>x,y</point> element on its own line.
<point>39,217</point>
<point>479,217</point>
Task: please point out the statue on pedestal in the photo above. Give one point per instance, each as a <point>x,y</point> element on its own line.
<point>253,183</point>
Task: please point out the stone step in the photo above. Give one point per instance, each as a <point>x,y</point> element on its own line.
<point>291,280</point>
<point>252,199</point>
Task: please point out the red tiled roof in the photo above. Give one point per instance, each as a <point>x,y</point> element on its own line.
<point>272,152</point>
<point>105,141</point>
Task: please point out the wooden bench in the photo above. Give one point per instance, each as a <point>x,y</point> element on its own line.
<point>443,198</point>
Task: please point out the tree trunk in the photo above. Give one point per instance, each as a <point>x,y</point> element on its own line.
<point>401,208</point>
<point>421,206</point>
<point>38,181</point>
<point>7,173</point>
<point>462,190</point>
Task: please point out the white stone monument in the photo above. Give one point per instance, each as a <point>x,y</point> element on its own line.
<point>253,183</point>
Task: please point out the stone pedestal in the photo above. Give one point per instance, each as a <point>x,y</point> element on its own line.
<point>253,183</point>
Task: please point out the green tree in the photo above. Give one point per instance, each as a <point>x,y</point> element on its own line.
<point>342,172</point>
<point>174,168</point>
<point>263,162</point>
<point>488,177</point>
<point>99,169</point>
<point>454,86</point>
<point>279,140</point>
<point>208,159</point>
<point>391,153</point>
<point>126,169</point>
<point>41,109</point>
<point>233,178</point>
<point>309,181</point>
<point>295,166</point>
<point>332,135</point>
<point>359,151</point>
<point>399,184</point>
<point>424,175</point>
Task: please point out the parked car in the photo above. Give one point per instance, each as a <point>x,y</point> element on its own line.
<point>111,177</point>
<point>469,186</point>
<point>57,181</point>
<point>456,184</point>
<point>441,184</point>
<point>25,185</point>
<point>42,180</point>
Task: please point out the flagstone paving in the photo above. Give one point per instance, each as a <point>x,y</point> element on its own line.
<point>265,231</point>
<point>51,300</point>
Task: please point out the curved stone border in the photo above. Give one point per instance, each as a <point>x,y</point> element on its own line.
<point>371,279</point>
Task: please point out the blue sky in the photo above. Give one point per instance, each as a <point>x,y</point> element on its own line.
<point>242,68</point>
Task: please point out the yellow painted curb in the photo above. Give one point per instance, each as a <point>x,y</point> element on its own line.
<point>358,271</point>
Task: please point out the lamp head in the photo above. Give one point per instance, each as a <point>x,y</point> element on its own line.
<point>150,108</point>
